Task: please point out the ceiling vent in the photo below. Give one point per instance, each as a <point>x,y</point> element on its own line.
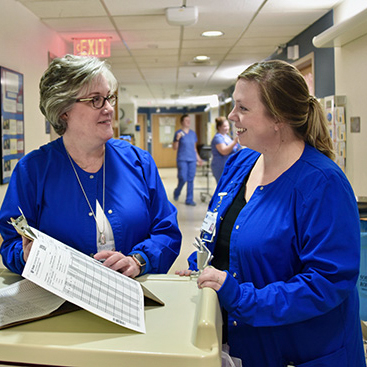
<point>182,16</point>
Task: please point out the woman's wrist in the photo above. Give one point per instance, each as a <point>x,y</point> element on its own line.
<point>140,262</point>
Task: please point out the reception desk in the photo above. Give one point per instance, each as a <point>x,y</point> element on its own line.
<point>185,332</point>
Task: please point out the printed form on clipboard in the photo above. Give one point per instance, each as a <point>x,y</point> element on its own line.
<point>82,280</point>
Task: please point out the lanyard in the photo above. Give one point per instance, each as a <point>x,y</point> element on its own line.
<point>208,228</point>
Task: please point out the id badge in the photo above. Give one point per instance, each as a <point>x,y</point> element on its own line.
<point>209,222</point>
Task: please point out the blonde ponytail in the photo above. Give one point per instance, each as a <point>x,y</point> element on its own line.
<point>317,133</point>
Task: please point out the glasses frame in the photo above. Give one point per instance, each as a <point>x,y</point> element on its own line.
<point>92,99</point>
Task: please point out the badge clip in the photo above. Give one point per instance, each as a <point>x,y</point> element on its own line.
<point>21,226</point>
<point>204,256</point>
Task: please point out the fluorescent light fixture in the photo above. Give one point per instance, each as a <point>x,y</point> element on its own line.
<point>231,73</point>
<point>201,58</point>
<point>212,34</point>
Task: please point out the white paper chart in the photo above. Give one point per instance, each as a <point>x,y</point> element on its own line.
<point>85,282</point>
<point>25,300</point>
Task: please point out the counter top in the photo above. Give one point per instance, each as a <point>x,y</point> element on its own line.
<point>186,331</point>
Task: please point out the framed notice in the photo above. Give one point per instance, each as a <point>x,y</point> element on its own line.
<point>12,121</point>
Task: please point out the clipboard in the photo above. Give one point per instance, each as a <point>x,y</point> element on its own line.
<point>21,226</point>
<point>149,300</point>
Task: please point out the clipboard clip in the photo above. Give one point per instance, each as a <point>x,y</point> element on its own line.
<point>204,255</point>
<point>21,226</point>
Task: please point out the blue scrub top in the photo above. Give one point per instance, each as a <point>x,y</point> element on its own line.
<point>290,290</point>
<point>45,187</point>
<point>186,146</point>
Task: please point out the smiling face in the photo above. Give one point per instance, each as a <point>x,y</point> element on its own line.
<point>87,124</point>
<point>256,129</point>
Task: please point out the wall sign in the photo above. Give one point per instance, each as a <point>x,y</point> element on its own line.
<point>12,121</point>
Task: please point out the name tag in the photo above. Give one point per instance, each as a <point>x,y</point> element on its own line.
<point>208,225</point>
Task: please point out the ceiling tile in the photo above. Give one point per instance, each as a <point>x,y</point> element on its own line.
<point>153,60</point>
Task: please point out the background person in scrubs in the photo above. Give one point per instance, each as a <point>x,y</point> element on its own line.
<point>99,195</point>
<point>184,141</point>
<point>222,146</point>
<point>287,243</point>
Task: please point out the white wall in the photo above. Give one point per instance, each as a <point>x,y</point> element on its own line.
<point>351,80</point>
<point>24,46</point>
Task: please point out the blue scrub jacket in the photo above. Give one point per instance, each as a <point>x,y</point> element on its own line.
<point>45,187</point>
<point>290,291</point>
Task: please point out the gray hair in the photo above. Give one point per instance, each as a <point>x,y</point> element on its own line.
<point>63,82</point>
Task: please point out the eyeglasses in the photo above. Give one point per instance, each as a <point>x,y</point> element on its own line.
<point>99,101</point>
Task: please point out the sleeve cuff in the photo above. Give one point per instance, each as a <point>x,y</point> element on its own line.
<point>229,293</point>
<point>21,257</point>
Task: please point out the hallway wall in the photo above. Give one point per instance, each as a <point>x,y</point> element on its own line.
<point>351,81</point>
<point>24,44</point>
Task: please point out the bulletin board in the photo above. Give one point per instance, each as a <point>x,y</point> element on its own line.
<point>12,121</point>
<point>335,113</point>
<point>167,125</point>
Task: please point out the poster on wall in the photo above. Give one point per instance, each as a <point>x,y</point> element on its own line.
<point>335,114</point>
<point>167,126</point>
<point>12,121</point>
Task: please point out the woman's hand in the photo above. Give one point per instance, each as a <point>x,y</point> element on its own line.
<point>27,245</point>
<point>117,261</point>
<point>183,273</point>
<point>211,278</point>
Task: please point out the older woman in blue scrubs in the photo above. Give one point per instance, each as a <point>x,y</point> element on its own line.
<point>99,195</point>
<point>287,240</point>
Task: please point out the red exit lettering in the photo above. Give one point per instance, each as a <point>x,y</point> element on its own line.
<point>96,46</point>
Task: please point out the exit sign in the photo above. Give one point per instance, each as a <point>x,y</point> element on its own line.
<point>93,46</point>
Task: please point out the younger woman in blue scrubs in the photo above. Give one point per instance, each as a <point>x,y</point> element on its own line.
<point>99,195</point>
<point>287,240</point>
<point>222,147</point>
<point>184,142</point>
